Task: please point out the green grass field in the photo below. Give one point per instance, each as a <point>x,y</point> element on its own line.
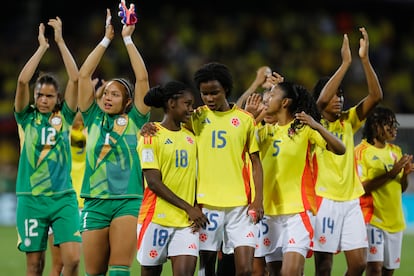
<point>12,262</point>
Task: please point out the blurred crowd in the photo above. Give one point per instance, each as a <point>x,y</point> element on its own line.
<point>301,44</point>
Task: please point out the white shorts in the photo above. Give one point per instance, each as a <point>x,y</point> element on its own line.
<point>160,242</point>
<point>230,226</point>
<point>384,247</point>
<point>268,233</point>
<point>339,226</point>
<point>297,236</point>
<point>277,226</point>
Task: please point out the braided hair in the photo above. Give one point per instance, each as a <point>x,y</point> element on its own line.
<point>158,96</point>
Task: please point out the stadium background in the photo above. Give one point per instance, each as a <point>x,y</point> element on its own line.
<point>299,39</point>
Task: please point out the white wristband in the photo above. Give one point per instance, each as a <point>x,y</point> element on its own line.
<point>127,40</point>
<point>105,42</point>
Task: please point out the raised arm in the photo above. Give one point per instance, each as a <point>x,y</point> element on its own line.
<point>332,86</point>
<point>71,92</point>
<point>374,96</point>
<point>22,96</point>
<point>140,71</point>
<point>261,75</point>
<point>86,88</point>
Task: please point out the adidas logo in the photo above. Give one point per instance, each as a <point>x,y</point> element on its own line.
<point>250,235</point>
<point>192,246</point>
<point>375,157</point>
<point>168,141</point>
<point>206,121</point>
<point>291,241</point>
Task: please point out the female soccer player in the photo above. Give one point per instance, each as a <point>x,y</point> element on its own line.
<point>168,214</point>
<point>339,224</point>
<point>383,170</point>
<point>291,141</point>
<point>112,185</point>
<point>46,197</point>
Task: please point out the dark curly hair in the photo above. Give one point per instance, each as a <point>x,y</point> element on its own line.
<point>215,71</point>
<point>378,118</point>
<point>302,100</point>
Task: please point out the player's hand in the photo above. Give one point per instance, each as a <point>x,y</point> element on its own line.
<point>199,220</point>
<point>41,37</point>
<point>56,24</point>
<point>109,28</point>
<point>149,129</point>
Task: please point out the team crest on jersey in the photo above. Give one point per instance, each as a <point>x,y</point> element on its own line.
<point>235,122</point>
<point>56,121</point>
<point>190,140</point>
<point>121,121</point>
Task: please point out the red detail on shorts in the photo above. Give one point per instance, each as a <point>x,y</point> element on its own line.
<point>373,250</point>
<point>398,260</point>
<point>292,241</point>
<point>153,253</point>
<point>203,237</point>
<point>266,242</point>
<point>192,246</point>
<point>250,235</point>
<point>322,239</point>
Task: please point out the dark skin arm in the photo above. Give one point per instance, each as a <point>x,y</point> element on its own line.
<point>403,164</point>
<point>257,204</point>
<point>155,184</point>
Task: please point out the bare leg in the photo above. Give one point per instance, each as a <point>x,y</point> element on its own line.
<point>243,260</point>
<point>35,263</point>
<point>57,265</point>
<point>207,263</point>
<point>96,250</point>
<point>323,263</point>
<point>356,261</point>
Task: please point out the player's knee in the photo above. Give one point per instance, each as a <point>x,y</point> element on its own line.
<point>357,267</point>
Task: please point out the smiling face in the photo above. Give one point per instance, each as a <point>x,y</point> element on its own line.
<point>114,99</point>
<point>46,97</point>
<point>214,95</point>
<point>181,108</point>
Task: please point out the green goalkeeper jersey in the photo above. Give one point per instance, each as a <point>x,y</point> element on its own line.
<point>45,158</point>
<point>113,168</point>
